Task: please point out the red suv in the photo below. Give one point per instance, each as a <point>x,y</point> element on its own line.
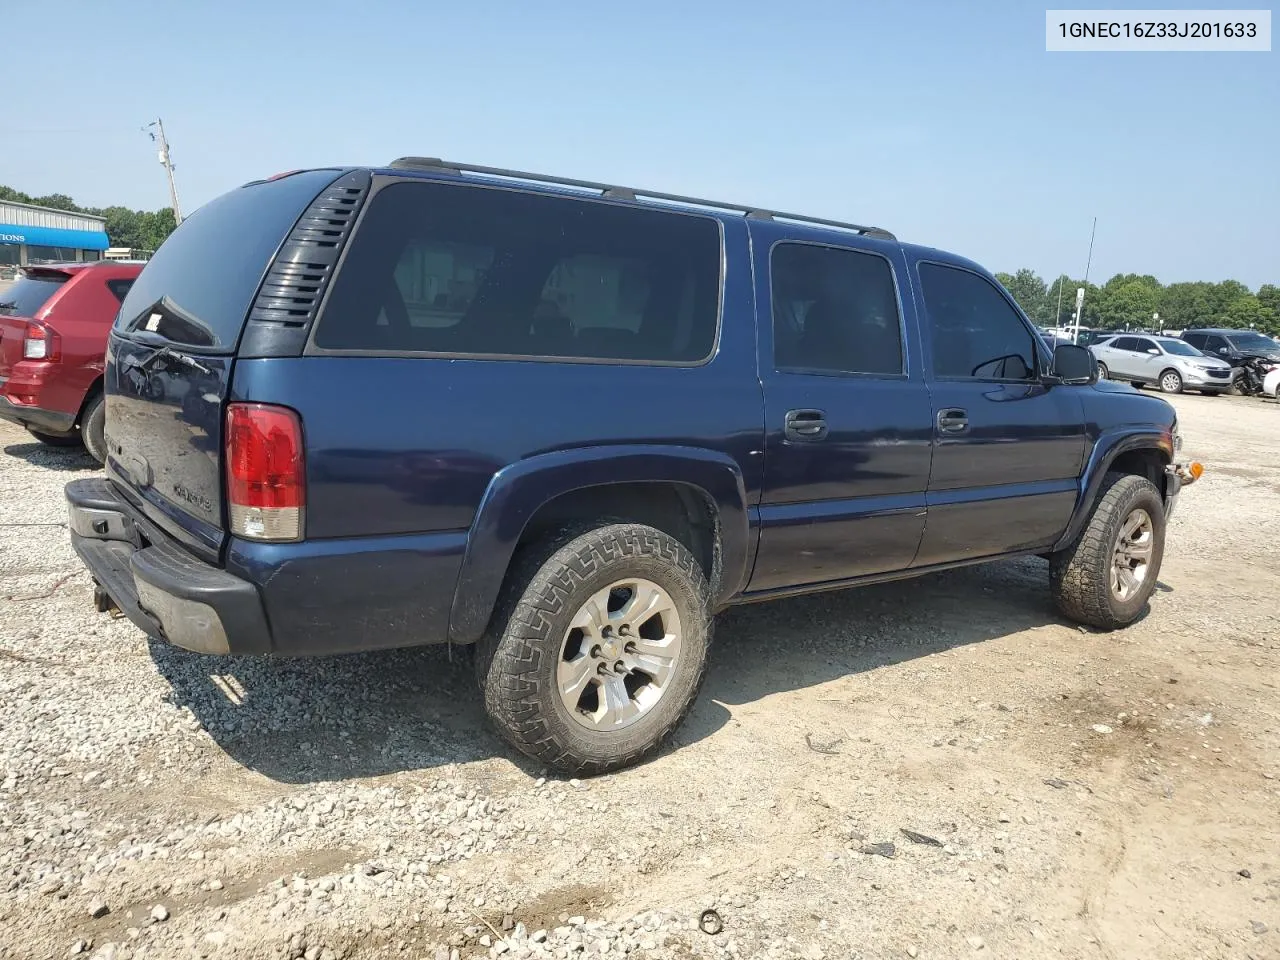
<point>53,335</point>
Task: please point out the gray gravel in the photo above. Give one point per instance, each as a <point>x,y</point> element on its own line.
<point>157,804</point>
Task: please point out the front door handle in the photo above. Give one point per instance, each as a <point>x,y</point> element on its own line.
<point>805,425</point>
<point>953,420</point>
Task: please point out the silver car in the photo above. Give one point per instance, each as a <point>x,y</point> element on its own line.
<point>1173,365</point>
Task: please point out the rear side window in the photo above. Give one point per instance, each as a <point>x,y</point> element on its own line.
<point>1124,343</point>
<point>28,295</point>
<point>1195,339</point>
<point>834,310</point>
<point>197,288</point>
<point>119,288</point>
<point>440,268</point>
<point>976,334</point>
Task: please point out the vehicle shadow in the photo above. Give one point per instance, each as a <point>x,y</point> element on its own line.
<point>365,715</point>
<point>53,458</point>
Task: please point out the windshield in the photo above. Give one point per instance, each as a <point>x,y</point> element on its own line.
<point>1255,343</point>
<point>29,294</point>
<point>1179,348</point>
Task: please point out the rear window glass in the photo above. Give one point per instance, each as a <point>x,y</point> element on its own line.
<point>28,295</point>
<point>197,288</point>
<point>438,268</point>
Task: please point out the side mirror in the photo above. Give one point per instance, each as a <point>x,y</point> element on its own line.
<point>1223,350</point>
<point>1073,364</point>
<point>1153,351</point>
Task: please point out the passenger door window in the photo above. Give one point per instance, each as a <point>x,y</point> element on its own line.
<point>1144,346</point>
<point>976,334</point>
<point>835,310</point>
<point>1214,344</point>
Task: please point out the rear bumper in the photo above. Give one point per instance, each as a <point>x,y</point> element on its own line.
<point>36,418</point>
<point>164,590</point>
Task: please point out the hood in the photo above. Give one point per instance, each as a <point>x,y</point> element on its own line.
<point>1205,362</point>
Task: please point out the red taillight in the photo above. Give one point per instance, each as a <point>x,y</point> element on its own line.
<point>266,480</point>
<point>41,342</point>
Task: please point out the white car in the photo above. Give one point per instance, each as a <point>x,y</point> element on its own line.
<point>1172,364</point>
<point>1271,383</point>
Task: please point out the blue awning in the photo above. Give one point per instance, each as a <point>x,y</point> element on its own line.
<point>53,237</point>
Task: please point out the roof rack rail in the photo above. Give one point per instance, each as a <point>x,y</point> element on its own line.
<point>615,192</point>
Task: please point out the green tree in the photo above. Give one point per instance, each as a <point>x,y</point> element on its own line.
<point>59,201</point>
<point>1247,312</point>
<point>1184,305</point>
<point>1269,296</point>
<point>1068,312</point>
<point>1030,291</point>
<point>1129,300</point>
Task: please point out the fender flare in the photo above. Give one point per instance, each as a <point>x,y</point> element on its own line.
<point>519,490</point>
<point>1110,445</point>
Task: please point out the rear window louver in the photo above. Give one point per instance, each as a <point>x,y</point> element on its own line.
<point>290,295</point>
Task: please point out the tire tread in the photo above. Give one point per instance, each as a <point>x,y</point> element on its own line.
<point>543,580</point>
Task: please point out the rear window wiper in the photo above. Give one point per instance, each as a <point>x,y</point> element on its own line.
<point>168,353</point>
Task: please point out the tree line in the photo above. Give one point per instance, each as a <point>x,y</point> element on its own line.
<point>138,229</point>
<point>1130,300</point>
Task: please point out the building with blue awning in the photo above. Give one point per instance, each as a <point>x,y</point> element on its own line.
<point>31,235</point>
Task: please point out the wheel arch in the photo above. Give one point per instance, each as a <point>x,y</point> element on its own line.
<point>94,390</point>
<point>697,496</point>
<point>1141,452</point>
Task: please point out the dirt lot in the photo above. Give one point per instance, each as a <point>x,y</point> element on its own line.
<point>1086,795</point>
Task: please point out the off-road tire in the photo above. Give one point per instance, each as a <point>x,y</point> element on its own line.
<point>69,439</point>
<point>93,423</point>
<point>516,660</point>
<point>1080,575</point>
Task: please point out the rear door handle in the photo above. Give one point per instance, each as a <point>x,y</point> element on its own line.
<point>953,420</point>
<point>805,425</point>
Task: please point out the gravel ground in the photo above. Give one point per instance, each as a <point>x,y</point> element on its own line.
<point>937,768</point>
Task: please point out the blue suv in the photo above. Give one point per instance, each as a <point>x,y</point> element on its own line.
<point>567,422</point>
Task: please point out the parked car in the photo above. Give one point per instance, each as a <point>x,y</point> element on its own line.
<point>567,423</point>
<point>1170,363</point>
<point>1235,346</point>
<point>54,323</point>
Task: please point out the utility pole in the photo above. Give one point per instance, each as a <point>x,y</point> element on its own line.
<point>168,167</point>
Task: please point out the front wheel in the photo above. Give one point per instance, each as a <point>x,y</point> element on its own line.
<point>1107,576</point>
<point>1171,381</point>
<point>598,649</point>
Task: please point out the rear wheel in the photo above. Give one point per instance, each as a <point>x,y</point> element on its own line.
<point>69,439</point>
<point>1107,576</point>
<point>1171,381</point>
<point>1103,373</point>
<point>598,649</point>
<point>93,423</point>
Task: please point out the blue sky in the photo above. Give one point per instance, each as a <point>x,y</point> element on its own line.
<point>947,123</point>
